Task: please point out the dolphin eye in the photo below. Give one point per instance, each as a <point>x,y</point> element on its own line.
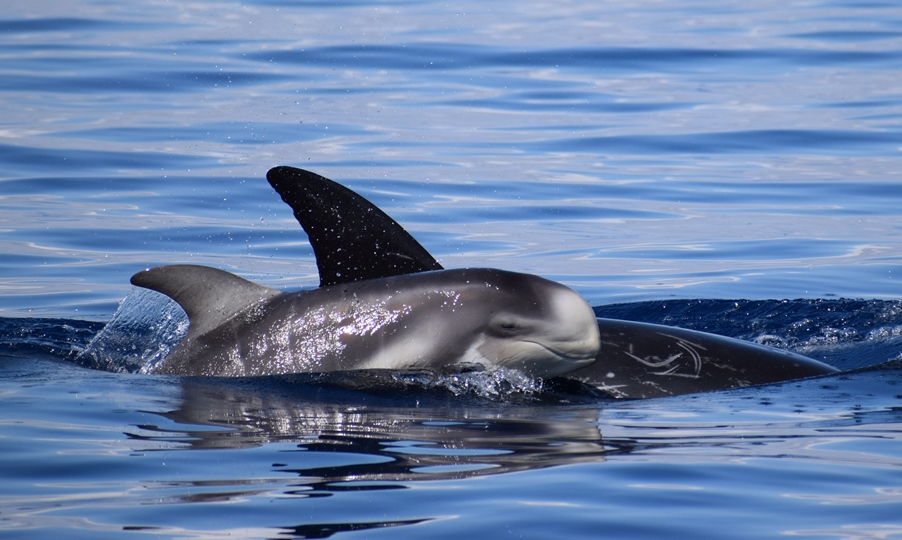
<point>506,326</point>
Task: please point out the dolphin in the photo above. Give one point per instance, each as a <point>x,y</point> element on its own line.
<point>439,320</point>
<point>385,302</point>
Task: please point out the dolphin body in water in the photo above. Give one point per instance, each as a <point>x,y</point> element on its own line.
<point>446,319</point>
<point>385,303</point>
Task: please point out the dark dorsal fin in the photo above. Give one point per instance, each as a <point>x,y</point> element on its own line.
<point>352,239</point>
<point>210,297</point>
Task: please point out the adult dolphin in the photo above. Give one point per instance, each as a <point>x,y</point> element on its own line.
<point>352,237</point>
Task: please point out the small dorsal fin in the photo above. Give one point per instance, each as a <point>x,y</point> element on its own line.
<point>209,296</point>
<point>352,239</point>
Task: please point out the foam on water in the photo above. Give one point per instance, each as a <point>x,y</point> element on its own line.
<point>497,383</point>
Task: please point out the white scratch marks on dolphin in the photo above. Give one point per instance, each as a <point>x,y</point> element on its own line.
<point>671,362</point>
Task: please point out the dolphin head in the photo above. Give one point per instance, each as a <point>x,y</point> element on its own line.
<point>537,326</point>
<point>499,318</point>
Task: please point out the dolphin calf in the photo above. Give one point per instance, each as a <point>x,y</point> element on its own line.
<point>385,302</point>
<point>446,319</point>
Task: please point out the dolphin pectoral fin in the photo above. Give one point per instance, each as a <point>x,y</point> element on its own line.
<point>209,296</point>
<point>641,360</point>
<point>352,239</point>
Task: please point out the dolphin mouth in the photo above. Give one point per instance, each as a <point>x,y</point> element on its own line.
<point>576,355</point>
<point>555,360</point>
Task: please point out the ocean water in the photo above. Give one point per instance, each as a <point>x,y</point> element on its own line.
<point>733,168</point>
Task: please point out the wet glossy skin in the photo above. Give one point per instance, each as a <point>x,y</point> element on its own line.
<point>448,319</point>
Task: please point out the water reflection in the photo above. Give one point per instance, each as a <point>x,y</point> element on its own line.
<point>316,456</point>
<point>382,438</point>
<point>359,454</point>
<point>325,530</point>
<point>388,431</point>
<point>339,432</point>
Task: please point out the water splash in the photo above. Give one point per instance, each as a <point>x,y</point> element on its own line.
<point>145,328</point>
<point>489,383</point>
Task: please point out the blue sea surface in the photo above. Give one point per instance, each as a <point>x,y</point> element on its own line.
<point>733,168</point>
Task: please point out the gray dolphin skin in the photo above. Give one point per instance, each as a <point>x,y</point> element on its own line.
<point>385,303</point>
<point>447,319</point>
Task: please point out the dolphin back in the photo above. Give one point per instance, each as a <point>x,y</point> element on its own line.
<point>209,296</point>
<point>642,360</point>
